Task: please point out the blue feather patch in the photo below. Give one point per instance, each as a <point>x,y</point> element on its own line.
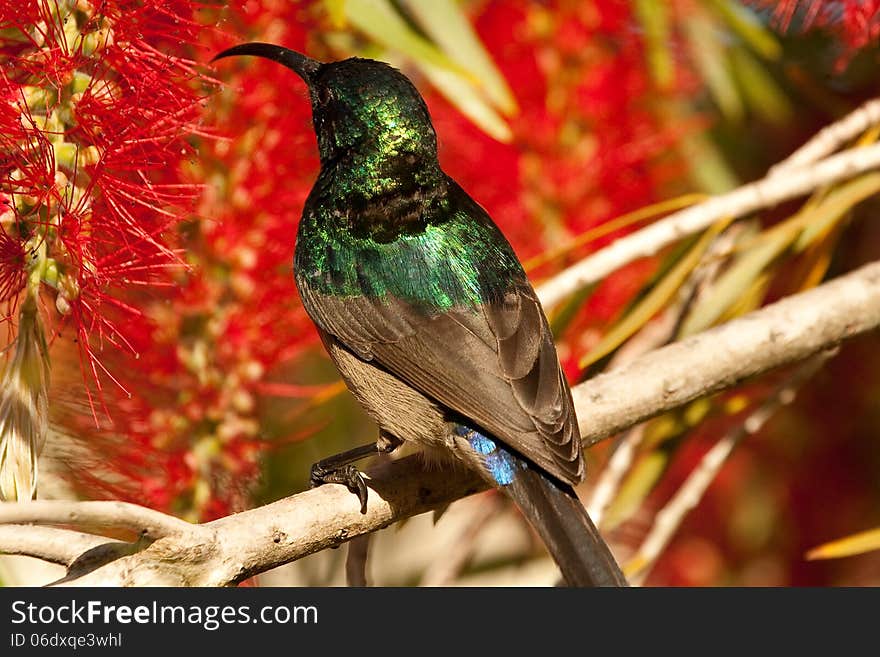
<point>500,463</point>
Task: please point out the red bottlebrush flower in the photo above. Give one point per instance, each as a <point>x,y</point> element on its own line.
<point>12,265</point>
<point>94,118</point>
<point>94,125</point>
<point>189,436</point>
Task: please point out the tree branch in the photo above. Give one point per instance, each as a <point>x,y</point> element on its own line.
<point>233,548</point>
<point>832,137</point>
<point>147,523</point>
<point>785,332</point>
<point>765,193</point>
<point>59,546</point>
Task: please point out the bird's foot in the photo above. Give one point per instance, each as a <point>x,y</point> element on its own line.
<point>338,469</point>
<point>347,475</point>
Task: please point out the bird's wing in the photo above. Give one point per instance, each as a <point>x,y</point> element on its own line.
<point>493,363</point>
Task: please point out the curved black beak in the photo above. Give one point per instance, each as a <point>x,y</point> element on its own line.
<point>303,66</point>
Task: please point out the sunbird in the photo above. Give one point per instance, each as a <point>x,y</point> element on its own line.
<point>426,311</point>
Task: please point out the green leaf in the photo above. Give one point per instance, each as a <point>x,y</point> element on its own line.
<point>467,99</point>
<point>708,168</point>
<point>745,277</point>
<point>709,54</point>
<point>759,87</point>
<point>380,21</point>
<point>748,27</point>
<point>639,482</point>
<point>449,27</point>
<point>564,316</point>
<point>654,17</point>
<point>822,217</point>
<point>734,283</point>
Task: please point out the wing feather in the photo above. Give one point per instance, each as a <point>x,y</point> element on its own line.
<point>496,365</point>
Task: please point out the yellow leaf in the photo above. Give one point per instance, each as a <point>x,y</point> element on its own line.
<point>739,278</point>
<point>380,21</point>
<point>750,299</point>
<point>635,488</point>
<point>449,27</point>
<point>655,300</point>
<point>336,12</point>
<point>662,428</point>
<point>819,220</point>
<point>654,18</point>
<point>817,258</point>
<point>617,223</point>
<point>860,543</point>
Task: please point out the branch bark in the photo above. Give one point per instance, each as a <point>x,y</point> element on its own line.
<point>231,549</point>
<point>59,546</point>
<point>832,137</point>
<point>785,332</point>
<point>765,193</point>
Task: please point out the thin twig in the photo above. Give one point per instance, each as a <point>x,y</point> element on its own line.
<point>660,332</point>
<point>785,332</point>
<point>356,560</point>
<point>148,523</point>
<point>832,137</point>
<point>59,546</point>
<point>764,193</point>
<point>611,476</point>
<point>669,518</point>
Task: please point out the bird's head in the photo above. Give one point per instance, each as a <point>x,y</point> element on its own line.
<point>359,106</point>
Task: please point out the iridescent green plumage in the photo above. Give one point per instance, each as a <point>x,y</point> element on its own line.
<point>426,311</point>
<point>439,261</point>
<point>383,219</point>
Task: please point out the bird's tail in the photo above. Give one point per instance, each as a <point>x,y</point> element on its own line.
<point>553,510</point>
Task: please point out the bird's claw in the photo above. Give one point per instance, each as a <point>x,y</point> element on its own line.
<point>348,475</point>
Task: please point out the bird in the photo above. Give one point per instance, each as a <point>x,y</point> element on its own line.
<point>426,311</point>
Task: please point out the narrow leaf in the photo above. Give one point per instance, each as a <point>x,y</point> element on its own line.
<point>739,278</point>
<point>628,219</point>
<point>639,482</point>
<point>461,93</point>
<point>655,300</point>
<point>709,55</point>
<point>759,88</point>
<point>449,27</point>
<point>654,18</point>
<point>821,218</point>
<point>336,11</point>
<point>866,541</point>
<point>748,27</point>
<point>380,21</point>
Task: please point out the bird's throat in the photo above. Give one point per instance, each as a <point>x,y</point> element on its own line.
<point>383,195</point>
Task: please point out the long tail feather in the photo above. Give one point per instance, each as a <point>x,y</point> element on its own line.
<point>566,529</point>
<point>552,508</point>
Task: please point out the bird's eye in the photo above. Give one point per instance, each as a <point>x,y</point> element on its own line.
<point>324,95</point>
